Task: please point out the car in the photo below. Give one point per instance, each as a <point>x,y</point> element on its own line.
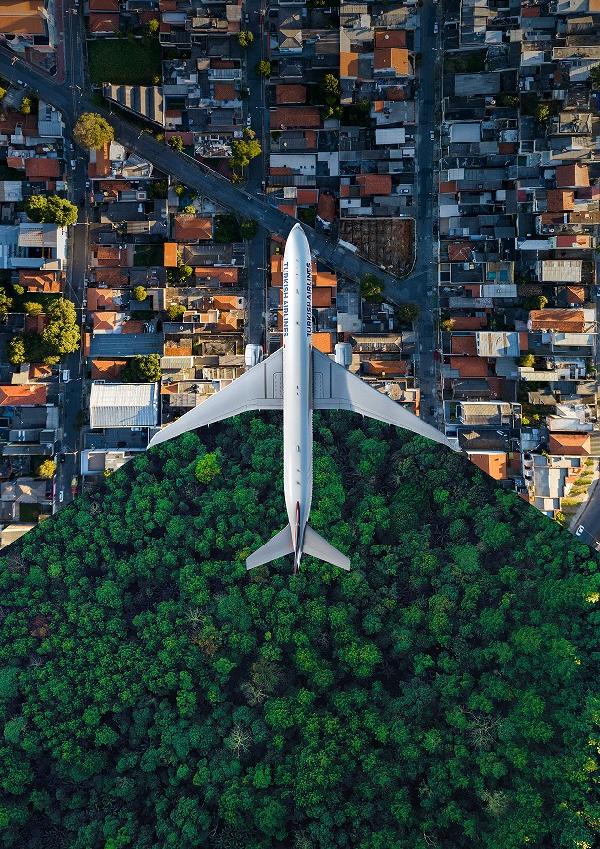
<point>87,184</point>
<point>20,82</point>
<point>248,121</point>
<point>66,375</point>
<point>435,28</point>
<point>73,163</point>
<point>61,496</point>
<point>431,135</point>
<point>579,531</point>
<point>405,191</point>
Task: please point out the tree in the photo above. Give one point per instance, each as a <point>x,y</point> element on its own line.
<point>190,209</point>
<point>176,142</point>
<point>33,308</point>
<point>140,293</point>
<point>408,313</point>
<point>5,302</point>
<point>143,368</point>
<point>93,131</point>
<point>46,469</point>
<point>207,467</point>
<point>245,38</point>
<point>175,311</point>
<point>2,93</point>
<point>448,324</point>
<point>153,26</point>
<point>26,106</point>
<point>543,113</point>
<point>16,351</point>
<point>227,229</point>
<point>244,150</point>
<point>51,209</point>
<point>527,360</point>
<point>61,334</point>
<point>248,228</point>
<point>263,68</point>
<point>371,287</point>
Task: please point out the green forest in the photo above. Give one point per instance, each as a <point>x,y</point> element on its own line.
<point>443,693</point>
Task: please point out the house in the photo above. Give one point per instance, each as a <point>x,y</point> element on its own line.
<point>123,405</point>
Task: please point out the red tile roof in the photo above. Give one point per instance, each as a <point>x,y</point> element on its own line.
<point>578,444</point>
<point>390,38</point>
<point>326,208</point>
<point>459,251</point>
<point>23,395</point>
<point>464,344</point>
<point>191,228</point>
<point>470,366</point>
<point>103,22</point>
<point>374,184</point>
<point>288,117</point>
<point>37,166</point>
<point>290,94</point>
<point>107,369</point>
<point>575,174</point>
<point>40,281</point>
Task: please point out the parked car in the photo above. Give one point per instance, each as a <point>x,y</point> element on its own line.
<point>431,135</point>
<point>435,28</point>
<point>66,375</point>
<point>579,531</point>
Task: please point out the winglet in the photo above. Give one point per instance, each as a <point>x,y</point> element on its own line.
<point>316,546</point>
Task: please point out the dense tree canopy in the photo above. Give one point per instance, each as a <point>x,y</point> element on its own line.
<point>441,694</point>
<point>92,130</point>
<point>51,209</point>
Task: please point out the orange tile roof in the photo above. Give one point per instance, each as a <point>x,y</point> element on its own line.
<point>101,166</point>
<point>322,296</point>
<point>323,341</point>
<point>395,93</point>
<point>464,345</point>
<point>469,322</point>
<point>310,139</point>
<point>563,320</point>
<point>23,17</point>
<point>348,65</point>
<point>103,5</point>
<point>23,395</point>
<point>307,196</point>
<point>103,22</point>
<point>290,117</point>
<point>570,443</point>
<point>170,254</point>
<point>192,228</point>
<point>396,58</point>
<point>326,208</point>
<point>116,277</point>
<point>387,368</point>
<point>290,94</point>
<point>101,299</point>
<point>374,184</point>
<point>17,162</point>
<point>560,199</point>
<point>225,302</point>
<point>572,175</point>
<point>459,251</point>
<point>448,187</point>
<point>469,366</point>
<point>523,340</point>
<point>40,281</point>
<point>39,372</point>
<point>324,278</point>
<point>390,38</point>
<point>107,369</point>
<point>493,464</point>
<point>41,166</point>
<point>574,240</point>
<point>104,320</point>
<point>287,208</point>
<point>223,275</point>
<point>225,91</point>
<point>576,294</point>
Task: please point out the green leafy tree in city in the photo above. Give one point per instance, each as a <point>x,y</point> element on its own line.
<point>93,131</point>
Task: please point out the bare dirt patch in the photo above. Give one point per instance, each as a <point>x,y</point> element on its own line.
<point>384,241</point>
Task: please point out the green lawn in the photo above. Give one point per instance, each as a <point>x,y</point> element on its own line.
<point>119,60</point>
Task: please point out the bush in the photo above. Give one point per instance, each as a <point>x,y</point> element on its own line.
<point>245,38</point>
<point>527,360</point>
<point>175,311</point>
<point>140,293</point>
<point>16,351</point>
<point>46,469</point>
<point>263,69</point>
<point>408,313</point>
<point>143,368</point>
<point>176,142</point>
<point>33,308</point>
<point>371,287</point>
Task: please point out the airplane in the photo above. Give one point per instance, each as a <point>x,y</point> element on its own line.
<point>298,379</point>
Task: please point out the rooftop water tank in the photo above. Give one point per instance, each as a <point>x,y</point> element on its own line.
<point>343,353</point>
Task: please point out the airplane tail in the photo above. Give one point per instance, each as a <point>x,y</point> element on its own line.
<point>282,544</point>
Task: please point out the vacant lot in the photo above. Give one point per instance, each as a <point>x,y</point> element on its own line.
<point>384,241</point>
<point>119,60</point>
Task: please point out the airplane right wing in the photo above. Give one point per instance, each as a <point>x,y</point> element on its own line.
<point>260,388</point>
<point>335,388</point>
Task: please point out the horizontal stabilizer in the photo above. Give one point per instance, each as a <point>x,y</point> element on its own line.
<point>260,388</point>
<point>316,546</point>
<point>279,546</point>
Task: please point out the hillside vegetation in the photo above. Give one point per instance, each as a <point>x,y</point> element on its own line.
<point>444,693</point>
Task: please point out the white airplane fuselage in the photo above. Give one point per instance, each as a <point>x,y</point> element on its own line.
<point>297,386</point>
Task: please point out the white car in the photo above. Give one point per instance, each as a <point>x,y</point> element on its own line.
<point>248,121</point>
<point>66,375</point>
<point>435,28</point>
<point>61,496</point>
<point>432,135</point>
<point>579,531</point>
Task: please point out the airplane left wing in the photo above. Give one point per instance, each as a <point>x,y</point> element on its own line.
<point>260,388</point>
<point>335,388</point>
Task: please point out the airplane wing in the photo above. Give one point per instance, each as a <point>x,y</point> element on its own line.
<point>335,388</point>
<point>260,388</point>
